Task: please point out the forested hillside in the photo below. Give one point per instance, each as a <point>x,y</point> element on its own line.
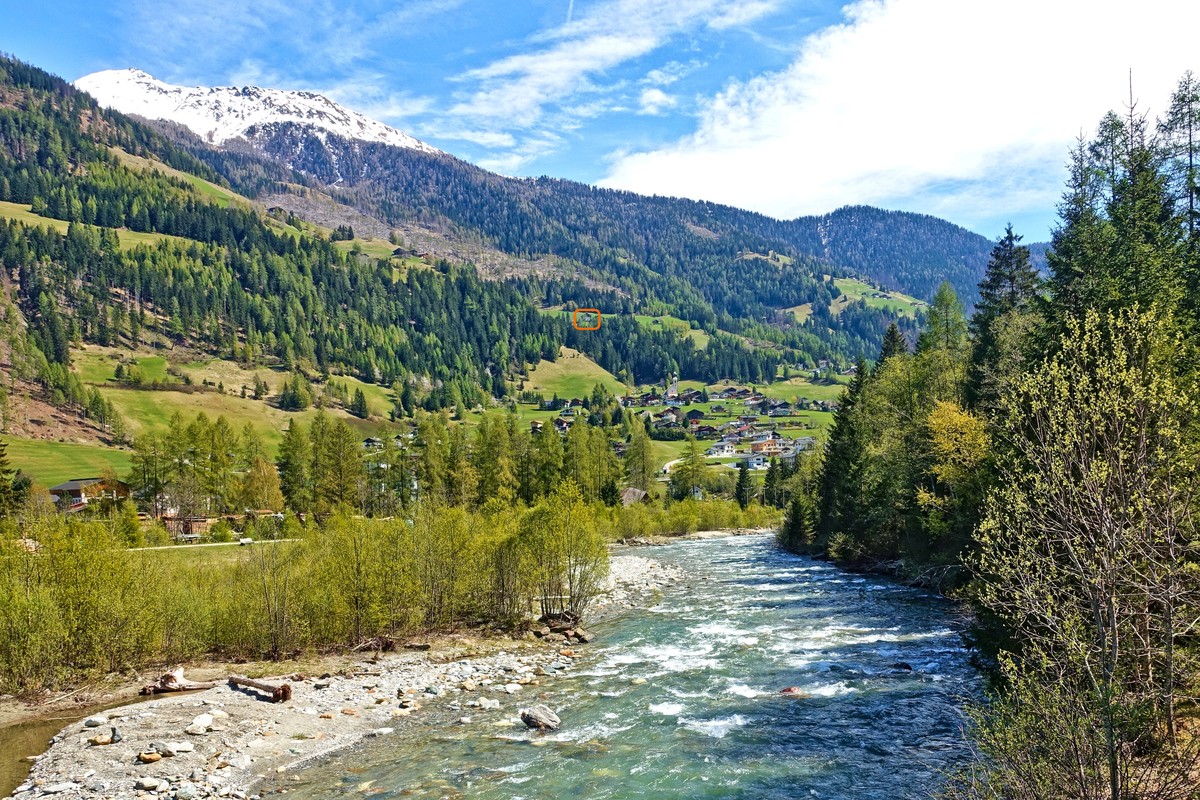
<point>224,277</point>
<point>669,247</point>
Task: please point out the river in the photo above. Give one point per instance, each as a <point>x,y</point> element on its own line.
<point>709,721</point>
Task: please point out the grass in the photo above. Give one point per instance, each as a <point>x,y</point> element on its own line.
<point>894,302</point>
<point>128,239</point>
<point>218,195</point>
<point>572,375</point>
<point>49,463</point>
<point>374,248</point>
<point>802,387</point>
<point>151,411</point>
<point>98,364</point>
<point>801,313</point>
<point>667,322</point>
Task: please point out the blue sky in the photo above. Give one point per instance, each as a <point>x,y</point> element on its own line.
<point>965,110</point>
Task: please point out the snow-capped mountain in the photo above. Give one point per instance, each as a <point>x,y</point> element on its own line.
<point>220,113</point>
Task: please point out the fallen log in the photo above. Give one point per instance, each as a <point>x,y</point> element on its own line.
<point>175,682</point>
<point>279,694</point>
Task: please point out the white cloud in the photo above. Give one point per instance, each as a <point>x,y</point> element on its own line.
<point>655,101</point>
<point>737,14</point>
<point>924,100</point>
<point>564,61</point>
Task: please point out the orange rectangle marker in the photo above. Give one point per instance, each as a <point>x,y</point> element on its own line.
<point>575,319</point>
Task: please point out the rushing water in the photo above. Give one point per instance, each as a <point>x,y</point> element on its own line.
<point>709,720</point>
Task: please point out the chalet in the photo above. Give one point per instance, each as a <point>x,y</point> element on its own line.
<point>371,443</point>
<point>705,431</point>
<point>721,449</point>
<point>633,496</point>
<point>719,409</point>
<point>780,410</point>
<point>562,424</point>
<point>690,396</point>
<point>535,426</point>
<point>674,402</point>
<point>694,414</point>
<point>78,492</point>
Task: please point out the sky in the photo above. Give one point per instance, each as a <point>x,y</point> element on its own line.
<point>964,109</point>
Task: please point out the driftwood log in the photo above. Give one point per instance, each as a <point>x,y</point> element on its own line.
<point>175,682</point>
<point>278,694</point>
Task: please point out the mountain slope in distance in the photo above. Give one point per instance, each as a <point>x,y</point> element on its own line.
<point>218,114</point>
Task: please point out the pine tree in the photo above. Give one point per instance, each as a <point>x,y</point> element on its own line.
<point>640,463</point>
<point>7,496</point>
<point>844,453</point>
<point>744,491</point>
<point>342,471</point>
<point>893,343</point>
<point>359,406</point>
<point>294,463</point>
<point>1007,296</point>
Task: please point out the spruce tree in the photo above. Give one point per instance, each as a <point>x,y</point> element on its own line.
<point>744,491</point>
<point>894,343</point>
<point>294,462</point>
<point>1007,293</point>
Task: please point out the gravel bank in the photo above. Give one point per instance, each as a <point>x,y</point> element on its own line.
<point>223,742</point>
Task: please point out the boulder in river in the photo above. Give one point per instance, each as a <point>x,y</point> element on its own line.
<point>793,691</point>
<point>540,717</point>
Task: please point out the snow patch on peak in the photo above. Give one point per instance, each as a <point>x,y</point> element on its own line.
<point>218,114</point>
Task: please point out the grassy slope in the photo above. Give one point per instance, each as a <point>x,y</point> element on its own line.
<point>572,375</point>
<point>49,463</point>
<point>892,301</point>
<point>128,239</point>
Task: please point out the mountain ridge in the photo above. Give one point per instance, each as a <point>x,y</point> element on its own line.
<point>899,250</point>
<point>220,113</point>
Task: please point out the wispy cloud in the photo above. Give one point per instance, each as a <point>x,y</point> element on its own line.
<point>908,97</point>
<point>655,101</point>
<point>562,71</point>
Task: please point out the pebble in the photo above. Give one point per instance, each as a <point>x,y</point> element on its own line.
<point>381,732</point>
<point>147,784</point>
<point>59,787</point>
<point>95,721</point>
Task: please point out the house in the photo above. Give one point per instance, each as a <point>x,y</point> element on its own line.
<point>535,426</point>
<point>562,424</point>
<point>694,414</point>
<point>805,443</point>
<point>371,443</point>
<point>721,449</point>
<point>756,461</point>
<point>78,492</point>
<point>633,495</point>
<point>705,431</point>
<point>719,409</point>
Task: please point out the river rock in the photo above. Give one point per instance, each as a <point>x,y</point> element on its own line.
<point>489,703</point>
<point>95,721</point>
<point>540,717</point>
<point>58,788</point>
<point>381,732</point>
<point>582,636</point>
<point>149,757</point>
<point>147,784</point>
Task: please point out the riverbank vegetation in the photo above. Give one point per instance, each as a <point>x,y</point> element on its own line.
<point>452,526</point>
<point>1041,459</point>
